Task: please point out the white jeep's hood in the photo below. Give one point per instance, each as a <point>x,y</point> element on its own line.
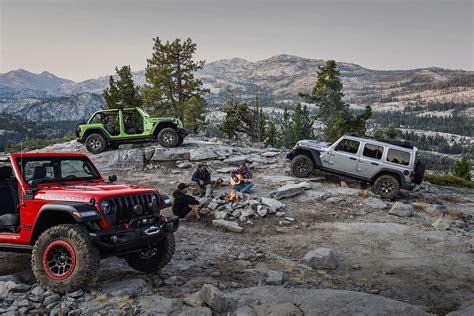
<point>314,144</point>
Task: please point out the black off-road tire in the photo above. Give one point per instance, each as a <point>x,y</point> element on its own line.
<point>168,137</point>
<point>153,263</point>
<point>85,254</point>
<point>96,143</point>
<point>420,168</point>
<point>302,166</point>
<point>387,186</point>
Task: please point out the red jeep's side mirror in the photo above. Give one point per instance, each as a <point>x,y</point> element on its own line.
<point>112,178</point>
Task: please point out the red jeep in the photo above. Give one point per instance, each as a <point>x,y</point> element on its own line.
<point>60,208</point>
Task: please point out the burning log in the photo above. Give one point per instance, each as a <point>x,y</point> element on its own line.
<point>232,196</point>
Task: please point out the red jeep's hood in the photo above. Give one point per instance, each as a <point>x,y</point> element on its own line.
<point>84,192</point>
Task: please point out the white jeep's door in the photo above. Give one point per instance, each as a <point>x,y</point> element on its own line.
<point>370,160</point>
<point>344,156</point>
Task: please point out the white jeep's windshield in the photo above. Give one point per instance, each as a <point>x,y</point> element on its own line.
<point>57,169</point>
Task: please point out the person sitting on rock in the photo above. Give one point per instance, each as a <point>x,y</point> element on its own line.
<point>184,203</point>
<point>202,180</point>
<point>241,178</point>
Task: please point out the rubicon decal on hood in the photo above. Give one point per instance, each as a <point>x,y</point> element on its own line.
<point>59,197</point>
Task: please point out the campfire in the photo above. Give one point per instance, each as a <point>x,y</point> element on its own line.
<point>232,196</point>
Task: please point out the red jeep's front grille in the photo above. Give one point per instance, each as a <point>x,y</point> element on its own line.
<point>124,206</point>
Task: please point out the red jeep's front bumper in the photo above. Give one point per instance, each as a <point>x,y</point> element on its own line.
<point>112,243</point>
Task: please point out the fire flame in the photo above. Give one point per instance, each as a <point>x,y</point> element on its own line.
<point>232,196</point>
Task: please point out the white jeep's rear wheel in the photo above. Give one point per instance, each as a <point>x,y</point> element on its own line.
<point>387,186</point>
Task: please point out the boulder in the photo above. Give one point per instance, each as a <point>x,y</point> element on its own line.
<point>273,204</point>
<point>193,300</point>
<point>274,277</point>
<point>440,224</point>
<point>159,305</point>
<point>119,159</point>
<point>220,215</point>
<point>236,160</point>
<point>270,300</point>
<point>375,203</point>
<point>216,299</point>
<point>343,191</point>
<point>270,154</point>
<point>124,287</point>
<point>223,152</point>
<point>196,311</point>
<point>401,209</point>
<point>227,225</point>
<point>321,258</point>
<point>202,154</point>
<point>289,190</point>
<point>225,170</point>
<point>466,309</point>
<point>312,195</point>
<point>262,211</point>
<point>170,154</point>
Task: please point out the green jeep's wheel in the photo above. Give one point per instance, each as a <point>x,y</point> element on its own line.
<point>387,186</point>
<point>64,258</point>
<point>168,137</point>
<point>153,257</point>
<point>95,143</point>
<point>301,166</point>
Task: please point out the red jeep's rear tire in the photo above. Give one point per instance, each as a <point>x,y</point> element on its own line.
<point>64,258</point>
<point>168,137</point>
<point>154,257</point>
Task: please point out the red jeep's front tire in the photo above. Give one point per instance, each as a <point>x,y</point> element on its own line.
<point>64,258</point>
<point>154,257</point>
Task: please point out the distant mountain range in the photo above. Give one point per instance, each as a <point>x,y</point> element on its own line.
<point>278,80</point>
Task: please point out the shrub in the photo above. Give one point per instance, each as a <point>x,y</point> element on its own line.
<point>449,180</point>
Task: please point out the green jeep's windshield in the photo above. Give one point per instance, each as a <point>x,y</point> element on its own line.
<point>57,169</point>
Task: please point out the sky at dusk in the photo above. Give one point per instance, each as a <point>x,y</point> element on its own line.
<point>86,39</point>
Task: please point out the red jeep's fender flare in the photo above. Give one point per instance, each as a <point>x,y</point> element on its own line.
<point>56,213</point>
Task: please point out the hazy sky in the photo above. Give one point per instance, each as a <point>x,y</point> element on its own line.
<point>86,39</point>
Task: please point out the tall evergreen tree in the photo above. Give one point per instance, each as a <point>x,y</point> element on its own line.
<point>272,134</point>
<point>260,119</point>
<point>286,136</point>
<point>122,93</point>
<point>333,111</point>
<point>301,124</point>
<point>170,77</point>
<point>391,132</point>
<point>462,168</point>
<point>194,117</point>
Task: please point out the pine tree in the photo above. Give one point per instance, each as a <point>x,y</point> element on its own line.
<point>122,93</point>
<point>301,124</point>
<point>170,77</point>
<point>260,119</point>
<point>462,168</point>
<point>286,136</point>
<point>333,111</point>
<point>272,134</point>
<point>391,132</point>
<point>194,117</point>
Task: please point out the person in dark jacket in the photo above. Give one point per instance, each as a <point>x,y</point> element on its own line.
<point>202,181</point>
<point>184,203</point>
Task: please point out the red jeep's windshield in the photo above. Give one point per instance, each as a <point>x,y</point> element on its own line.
<point>57,169</point>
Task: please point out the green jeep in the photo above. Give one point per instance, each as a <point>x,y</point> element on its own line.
<point>110,128</point>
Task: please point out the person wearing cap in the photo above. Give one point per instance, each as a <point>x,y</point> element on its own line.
<point>244,177</point>
<point>202,180</point>
<point>184,203</point>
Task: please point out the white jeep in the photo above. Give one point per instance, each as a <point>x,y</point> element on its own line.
<point>388,165</point>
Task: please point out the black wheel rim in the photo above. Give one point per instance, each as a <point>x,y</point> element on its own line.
<point>302,167</point>
<point>386,187</point>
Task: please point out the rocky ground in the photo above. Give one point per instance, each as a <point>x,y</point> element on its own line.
<point>322,245</point>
